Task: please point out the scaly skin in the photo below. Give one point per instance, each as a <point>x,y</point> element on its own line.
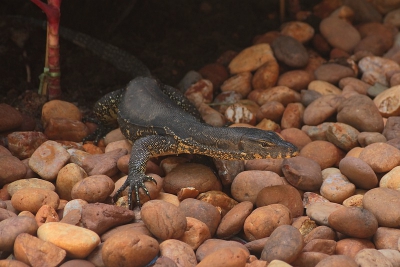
<point>157,125</point>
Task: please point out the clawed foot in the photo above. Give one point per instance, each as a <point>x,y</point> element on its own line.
<point>135,182</point>
<point>99,133</point>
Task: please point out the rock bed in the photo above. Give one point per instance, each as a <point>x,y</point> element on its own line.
<point>336,204</point>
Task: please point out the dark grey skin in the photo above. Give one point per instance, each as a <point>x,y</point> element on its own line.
<point>155,118</point>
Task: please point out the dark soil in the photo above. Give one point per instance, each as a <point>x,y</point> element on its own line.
<point>170,37</point>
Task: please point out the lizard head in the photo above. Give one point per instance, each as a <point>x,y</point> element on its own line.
<point>261,144</point>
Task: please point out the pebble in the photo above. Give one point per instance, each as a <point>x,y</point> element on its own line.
<point>251,58</point>
<point>331,155</point>
<point>200,92</point>
<point>356,84</point>
<point>228,169</point>
<point>29,183</point>
<point>320,211</point>
<point>60,109</point>
<point>23,144</point>
<point>336,261</point>
<point>202,211</point>
<point>36,252</point>
<point>129,249</point>
<point>239,83</point>
<point>264,220</point>
<point>377,69</point>
<point>196,233</point>
<point>333,72</point>
<point>351,246</point>
<point>295,79</point>
<point>67,177</point>
<point>302,173</point>
<point>361,113</point>
<point>392,128</point>
<point>190,78</point>
<point>388,102</point>
<point>321,109</point>
<point>381,157</point>
<point>11,169</point>
<point>15,226</point>
<point>48,159</point>
<point>392,254</point>
<point>285,243</point>
<point>281,194</point>
<point>233,221</point>
<point>244,111</point>
<point>266,76</point>
<point>301,31</point>
<point>386,238</point>
<point>354,201</point>
<point>290,51</point>
<point>164,220</point>
<point>248,184</point>
<point>370,257</point>
<point>193,175</point>
<point>66,129</point>
<point>272,110</point>
<point>95,188</point>
<point>218,199</point>
<point>392,17</point>
<point>367,138</point>
<point>212,245</point>
<point>292,116</point>
<point>230,256</point>
<point>100,217</point>
<point>214,72</point>
<point>32,199</point>
<point>272,165</point>
<point>353,222</point>
<point>11,118</point>
<point>180,252</point>
<point>296,136</point>
<point>335,187</point>
<point>325,246</point>
<point>342,135</point>
<point>281,94</point>
<point>384,203</point>
<point>320,232</point>
<point>358,172</point>
<point>391,179</point>
<point>339,33</point>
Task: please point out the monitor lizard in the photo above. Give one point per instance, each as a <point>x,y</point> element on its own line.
<point>158,120</point>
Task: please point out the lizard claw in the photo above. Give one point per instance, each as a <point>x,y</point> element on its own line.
<point>135,182</point>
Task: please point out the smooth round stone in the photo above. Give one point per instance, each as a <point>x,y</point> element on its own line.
<point>12,227</point>
<point>290,51</point>
<point>324,88</point>
<point>384,203</point>
<point>392,129</point>
<point>324,153</point>
<point>60,109</point>
<point>65,236</point>
<point>129,249</point>
<point>196,232</point>
<point>333,72</point>
<point>214,72</point>
<point>342,135</point>
<point>67,177</point>
<point>357,85</point>
<point>95,188</point>
<point>248,184</point>
<point>381,157</point>
<point>251,58</point>
<point>339,33</point>
<point>266,76</point>
<point>180,252</point>
<point>232,223</point>
<point>302,173</point>
<point>296,136</point>
<point>48,159</point>
<point>361,113</point>
<point>229,256</point>
<point>321,109</point>
<point>295,79</point>
<point>386,238</point>
<point>23,144</point>
<point>11,118</point>
<point>32,199</point>
<point>388,102</point>
<point>336,261</point>
<point>367,138</point>
<point>11,169</point>
<point>194,175</point>
<point>372,257</point>
<point>335,187</point>
<point>264,220</point>
<point>29,183</point>
<point>358,172</point>
<point>282,194</point>
<point>285,243</point>
<point>320,211</point>
<point>391,179</point>
<point>351,246</point>
<point>354,222</point>
<point>354,201</point>
<point>320,232</point>
<point>301,31</point>
<point>202,211</point>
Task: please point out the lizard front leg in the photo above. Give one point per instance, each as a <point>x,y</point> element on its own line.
<point>142,150</point>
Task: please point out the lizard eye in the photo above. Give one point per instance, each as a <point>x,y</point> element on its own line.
<point>265,144</point>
